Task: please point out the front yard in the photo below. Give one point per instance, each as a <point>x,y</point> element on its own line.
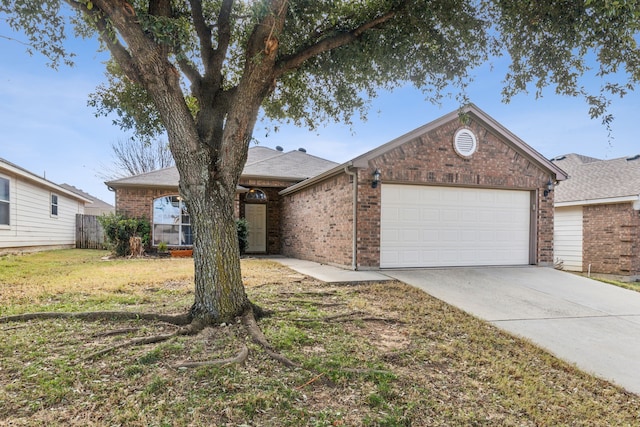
<point>373,355</point>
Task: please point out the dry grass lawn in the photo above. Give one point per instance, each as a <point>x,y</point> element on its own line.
<point>373,355</point>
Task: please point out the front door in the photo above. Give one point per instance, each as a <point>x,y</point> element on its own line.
<point>256,216</point>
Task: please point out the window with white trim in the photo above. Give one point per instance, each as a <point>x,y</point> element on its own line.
<point>54,204</point>
<point>4,201</point>
<point>171,222</point>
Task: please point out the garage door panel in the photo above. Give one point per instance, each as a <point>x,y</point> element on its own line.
<point>455,227</point>
<point>408,214</point>
<point>409,236</point>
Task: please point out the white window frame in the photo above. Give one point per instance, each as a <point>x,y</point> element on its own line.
<point>179,218</point>
<point>7,202</point>
<point>55,205</point>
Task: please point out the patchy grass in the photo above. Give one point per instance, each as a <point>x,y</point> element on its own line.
<point>374,355</point>
<point>74,280</point>
<point>634,286</point>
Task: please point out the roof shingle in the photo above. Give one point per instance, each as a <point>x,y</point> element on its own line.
<point>592,179</point>
<point>261,162</point>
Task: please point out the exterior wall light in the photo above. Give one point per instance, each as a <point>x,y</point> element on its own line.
<point>376,178</point>
<point>549,188</point>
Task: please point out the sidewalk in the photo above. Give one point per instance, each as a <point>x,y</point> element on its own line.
<point>330,274</point>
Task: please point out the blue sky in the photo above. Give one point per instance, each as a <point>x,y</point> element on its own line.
<point>48,129</point>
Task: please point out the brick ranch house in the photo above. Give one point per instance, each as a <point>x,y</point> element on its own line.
<point>597,211</point>
<point>451,193</point>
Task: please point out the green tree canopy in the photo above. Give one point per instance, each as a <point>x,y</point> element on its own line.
<point>202,70</point>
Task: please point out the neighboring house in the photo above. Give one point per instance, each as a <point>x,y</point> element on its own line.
<point>459,191</point>
<point>97,207</point>
<point>35,213</point>
<point>597,213</point>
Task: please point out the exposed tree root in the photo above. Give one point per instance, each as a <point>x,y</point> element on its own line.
<point>316,303</point>
<point>187,326</point>
<point>342,316</point>
<point>249,321</point>
<point>259,312</point>
<point>174,319</point>
<point>116,332</point>
<point>239,359</point>
<point>191,329</point>
<point>312,380</point>
<point>369,319</point>
<point>311,293</point>
<point>366,371</point>
<point>350,317</point>
<point>137,341</point>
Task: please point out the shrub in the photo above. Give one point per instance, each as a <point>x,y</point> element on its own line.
<point>120,229</point>
<point>243,233</point>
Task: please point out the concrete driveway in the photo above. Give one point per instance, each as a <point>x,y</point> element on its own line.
<point>591,324</point>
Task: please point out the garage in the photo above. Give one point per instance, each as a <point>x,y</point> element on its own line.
<point>439,226</point>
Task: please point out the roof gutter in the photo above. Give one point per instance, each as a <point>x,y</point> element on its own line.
<point>604,201</point>
<point>311,181</point>
<point>52,186</point>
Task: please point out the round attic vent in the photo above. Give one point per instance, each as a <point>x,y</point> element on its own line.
<point>465,142</point>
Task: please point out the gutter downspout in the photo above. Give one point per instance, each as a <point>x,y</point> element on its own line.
<point>354,175</point>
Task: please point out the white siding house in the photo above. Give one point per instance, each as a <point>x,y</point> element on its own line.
<point>35,213</point>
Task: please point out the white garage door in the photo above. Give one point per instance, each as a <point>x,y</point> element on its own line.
<point>424,226</point>
<point>567,237</point>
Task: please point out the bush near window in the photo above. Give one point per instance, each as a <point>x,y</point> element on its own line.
<point>243,233</point>
<point>120,229</point>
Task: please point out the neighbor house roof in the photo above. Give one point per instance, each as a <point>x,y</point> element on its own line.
<point>11,168</point>
<point>96,203</point>
<point>262,162</point>
<point>597,181</point>
<point>471,110</point>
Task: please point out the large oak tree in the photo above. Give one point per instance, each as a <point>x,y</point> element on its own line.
<point>203,70</point>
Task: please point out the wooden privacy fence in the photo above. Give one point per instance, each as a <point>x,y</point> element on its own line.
<point>89,232</point>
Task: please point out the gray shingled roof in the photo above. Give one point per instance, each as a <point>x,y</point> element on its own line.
<point>261,162</point>
<point>167,177</point>
<point>593,179</point>
<point>293,165</point>
<point>97,203</point>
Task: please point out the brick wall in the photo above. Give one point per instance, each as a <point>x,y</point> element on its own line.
<point>317,222</point>
<point>611,239</point>
<point>428,159</point>
<point>368,221</point>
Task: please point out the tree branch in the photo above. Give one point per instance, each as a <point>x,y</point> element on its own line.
<point>203,32</point>
<point>189,70</point>
<point>224,37</point>
<point>107,35</point>
<point>294,61</point>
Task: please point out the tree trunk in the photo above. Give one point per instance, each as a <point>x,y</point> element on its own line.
<point>219,292</point>
<point>211,151</point>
